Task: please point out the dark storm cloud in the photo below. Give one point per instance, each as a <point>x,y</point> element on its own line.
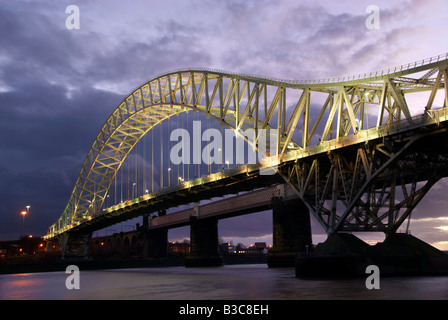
<point>36,49</point>
<point>45,138</point>
<point>51,111</point>
<point>292,41</point>
<point>39,119</point>
<point>46,130</point>
<point>44,190</point>
<point>308,40</point>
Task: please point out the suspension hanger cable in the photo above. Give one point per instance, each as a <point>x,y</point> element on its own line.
<point>115,187</point>
<point>121,183</point>
<point>135,173</point>
<point>183,150</point>
<point>161,157</point>
<point>144,165</point>
<point>188,160</point>
<point>129,174</point>
<point>209,159</point>
<point>152,158</point>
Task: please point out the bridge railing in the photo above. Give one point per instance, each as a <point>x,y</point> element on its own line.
<point>381,73</point>
<point>361,76</point>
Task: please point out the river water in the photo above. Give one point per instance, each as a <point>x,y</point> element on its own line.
<point>233,282</point>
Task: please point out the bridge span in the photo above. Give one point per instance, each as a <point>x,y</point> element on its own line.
<point>359,162</point>
<point>246,203</point>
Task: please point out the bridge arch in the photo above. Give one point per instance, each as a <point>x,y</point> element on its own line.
<point>153,103</point>
<point>241,101</point>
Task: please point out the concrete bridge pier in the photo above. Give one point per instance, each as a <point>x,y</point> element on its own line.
<point>63,240</point>
<point>291,232</point>
<point>85,244</point>
<point>50,245</point>
<point>204,243</point>
<point>155,244</point>
<point>74,245</point>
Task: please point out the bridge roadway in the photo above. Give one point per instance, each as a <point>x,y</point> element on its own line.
<point>234,181</point>
<point>248,177</point>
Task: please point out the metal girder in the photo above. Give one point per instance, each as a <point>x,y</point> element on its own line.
<point>241,101</point>
<point>359,188</point>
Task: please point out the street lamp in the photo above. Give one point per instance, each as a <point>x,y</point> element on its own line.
<point>217,163</point>
<point>169,177</point>
<point>23,224</point>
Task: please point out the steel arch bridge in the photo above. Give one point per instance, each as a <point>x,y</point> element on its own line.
<point>360,161</point>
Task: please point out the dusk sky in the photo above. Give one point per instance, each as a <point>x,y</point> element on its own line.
<point>58,86</point>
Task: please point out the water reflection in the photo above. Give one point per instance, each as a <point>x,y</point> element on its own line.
<point>252,282</point>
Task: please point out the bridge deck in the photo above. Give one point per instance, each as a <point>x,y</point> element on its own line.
<point>240,179</point>
<point>236,101</point>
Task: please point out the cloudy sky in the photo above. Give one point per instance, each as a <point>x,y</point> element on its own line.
<point>58,86</point>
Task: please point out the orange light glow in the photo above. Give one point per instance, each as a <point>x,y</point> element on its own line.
<point>23,212</point>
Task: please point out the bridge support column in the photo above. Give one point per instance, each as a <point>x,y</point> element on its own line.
<point>74,245</point>
<point>84,245</point>
<point>291,232</point>
<point>156,244</point>
<point>155,241</point>
<point>63,240</point>
<point>204,244</point>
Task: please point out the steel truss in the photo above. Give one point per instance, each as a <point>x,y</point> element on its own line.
<point>371,186</point>
<point>360,180</point>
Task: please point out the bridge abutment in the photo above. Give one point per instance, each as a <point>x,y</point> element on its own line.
<point>291,232</point>
<point>204,243</point>
<point>345,255</point>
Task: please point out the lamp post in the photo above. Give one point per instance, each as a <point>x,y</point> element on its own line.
<point>169,177</point>
<point>23,224</point>
<point>217,163</point>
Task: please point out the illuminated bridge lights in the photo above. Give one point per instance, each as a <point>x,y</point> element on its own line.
<point>334,149</point>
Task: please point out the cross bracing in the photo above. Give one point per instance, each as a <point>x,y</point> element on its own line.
<point>239,102</point>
